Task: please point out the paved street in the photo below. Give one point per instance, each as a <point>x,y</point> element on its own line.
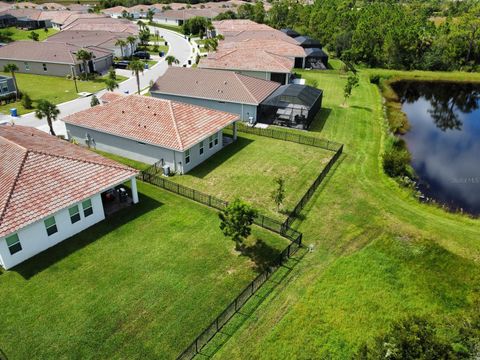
<point>178,47</point>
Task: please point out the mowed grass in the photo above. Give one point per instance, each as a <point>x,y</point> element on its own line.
<point>140,285</point>
<point>20,35</point>
<point>52,88</point>
<point>248,168</point>
<point>379,255</point>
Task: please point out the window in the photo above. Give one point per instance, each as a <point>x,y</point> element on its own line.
<point>210,142</point>
<point>5,87</point>
<point>187,156</point>
<point>27,66</point>
<point>201,148</point>
<point>74,214</point>
<point>87,207</point>
<point>215,137</point>
<point>13,243</point>
<point>44,67</point>
<point>51,226</point>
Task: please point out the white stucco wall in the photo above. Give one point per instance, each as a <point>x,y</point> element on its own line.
<point>243,110</point>
<point>196,158</point>
<point>34,238</point>
<point>166,21</point>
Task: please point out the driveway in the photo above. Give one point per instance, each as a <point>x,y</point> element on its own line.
<point>178,47</point>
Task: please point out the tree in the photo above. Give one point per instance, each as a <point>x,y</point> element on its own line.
<point>195,24</point>
<point>122,43</point>
<point>111,84</point>
<point>137,67</point>
<point>278,195</point>
<point>33,35</point>
<point>352,82</point>
<point>131,40</point>
<point>170,59</point>
<point>150,14</point>
<point>84,56</point>
<point>112,74</point>
<point>94,101</point>
<point>11,68</point>
<point>45,109</point>
<point>144,36</point>
<point>236,221</point>
<point>27,101</point>
<point>258,12</point>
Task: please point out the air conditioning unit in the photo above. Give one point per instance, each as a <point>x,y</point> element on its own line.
<point>166,170</point>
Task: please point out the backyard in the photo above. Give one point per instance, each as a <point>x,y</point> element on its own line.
<point>16,34</point>
<point>249,167</point>
<point>141,284</point>
<point>378,254</point>
<point>52,88</point>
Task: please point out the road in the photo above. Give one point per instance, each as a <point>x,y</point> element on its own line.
<point>179,47</point>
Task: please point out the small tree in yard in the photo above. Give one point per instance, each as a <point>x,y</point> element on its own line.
<point>94,101</point>
<point>278,195</point>
<point>352,82</point>
<point>236,221</point>
<point>111,84</point>
<point>170,59</point>
<point>34,36</point>
<point>112,74</point>
<point>45,109</point>
<point>27,101</point>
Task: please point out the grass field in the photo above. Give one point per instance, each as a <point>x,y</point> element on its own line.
<point>248,168</point>
<point>379,255</point>
<point>140,285</point>
<point>19,34</point>
<point>53,88</point>
<point>175,28</point>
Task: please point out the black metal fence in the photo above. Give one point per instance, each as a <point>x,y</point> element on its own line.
<point>289,136</point>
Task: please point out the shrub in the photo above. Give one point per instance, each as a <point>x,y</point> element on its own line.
<point>396,160</point>
<point>27,101</point>
<point>155,48</point>
<point>375,79</point>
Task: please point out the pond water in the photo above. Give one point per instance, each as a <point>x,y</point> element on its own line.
<point>444,140</point>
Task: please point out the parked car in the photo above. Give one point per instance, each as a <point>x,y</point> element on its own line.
<point>142,55</point>
<point>121,64</point>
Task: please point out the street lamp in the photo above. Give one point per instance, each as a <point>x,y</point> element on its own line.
<point>74,77</point>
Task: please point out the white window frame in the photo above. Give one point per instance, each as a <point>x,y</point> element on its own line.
<point>73,216</point>
<point>215,139</point>
<point>87,210</point>
<point>52,226</point>
<point>201,149</point>
<point>15,246</point>
<point>27,66</point>
<point>44,65</point>
<point>210,142</point>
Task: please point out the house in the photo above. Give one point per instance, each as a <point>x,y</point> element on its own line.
<point>24,5</point>
<point>51,190</point>
<point>116,11</point>
<point>254,62</point>
<point>51,6</point>
<point>53,58</point>
<point>139,11</point>
<point>316,59</point>
<point>100,39</point>
<point>307,42</point>
<point>178,17</point>
<point>27,18</point>
<point>290,32</point>
<point>178,135</point>
<point>220,90</point>
<point>7,20</point>
<point>95,22</point>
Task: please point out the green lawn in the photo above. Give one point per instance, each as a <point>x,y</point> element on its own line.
<point>53,88</point>
<point>140,285</point>
<point>379,255</point>
<point>19,34</point>
<point>175,28</point>
<point>129,162</point>
<point>249,167</point>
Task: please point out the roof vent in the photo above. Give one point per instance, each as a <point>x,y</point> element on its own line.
<point>148,106</point>
<point>144,126</point>
<point>154,114</point>
<point>225,83</point>
<point>196,81</point>
<point>123,111</point>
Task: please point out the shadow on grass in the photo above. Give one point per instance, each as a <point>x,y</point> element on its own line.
<point>261,253</point>
<point>220,157</point>
<point>49,257</point>
<point>361,108</point>
<point>320,119</point>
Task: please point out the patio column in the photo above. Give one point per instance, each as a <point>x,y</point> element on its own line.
<point>235,131</point>
<point>133,186</point>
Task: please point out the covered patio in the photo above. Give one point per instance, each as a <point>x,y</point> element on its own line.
<point>119,197</point>
<point>291,105</point>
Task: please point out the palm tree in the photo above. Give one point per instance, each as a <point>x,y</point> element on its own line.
<point>137,67</point>
<point>122,43</point>
<point>11,68</point>
<point>111,84</point>
<point>140,24</point>
<point>45,109</point>
<point>170,59</point>
<point>131,40</point>
<point>84,56</point>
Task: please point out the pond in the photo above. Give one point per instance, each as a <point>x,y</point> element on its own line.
<point>444,140</point>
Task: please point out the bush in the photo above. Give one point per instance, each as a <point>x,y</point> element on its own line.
<point>155,48</point>
<point>396,160</point>
<point>375,79</point>
<point>27,101</point>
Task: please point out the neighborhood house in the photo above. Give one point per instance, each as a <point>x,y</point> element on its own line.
<point>179,136</point>
<point>51,190</point>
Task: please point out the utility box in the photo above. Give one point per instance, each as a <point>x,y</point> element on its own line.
<point>166,170</point>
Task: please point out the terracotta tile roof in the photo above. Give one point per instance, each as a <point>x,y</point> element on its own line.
<point>88,38</point>
<point>58,17</point>
<point>238,25</point>
<point>41,174</point>
<point>186,14</point>
<point>51,6</point>
<point>24,5</point>
<point>215,85</point>
<point>247,60</point>
<point>46,51</point>
<point>270,35</point>
<point>32,14</point>
<point>163,123</point>
<point>115,10</point>
<point>274,46</point>
<point>109,97</point>
<point>105,23</point>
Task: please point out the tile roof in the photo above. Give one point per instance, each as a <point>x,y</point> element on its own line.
<point>58,17</point>
<point>247,60</point>
<point>163,123</point>
<point>109,97</point>
<point>41,174</point>
<point>88,38</point>
<point>46,51</point>
<point>115,10</point>
<point>99,22</point>
<point>214,84</point>
<point>51,6</point>
<point>274,46</point>
<point>270,35</point>
<point>186,14</point>
<point>32,14</point>
<point>24,4</point>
